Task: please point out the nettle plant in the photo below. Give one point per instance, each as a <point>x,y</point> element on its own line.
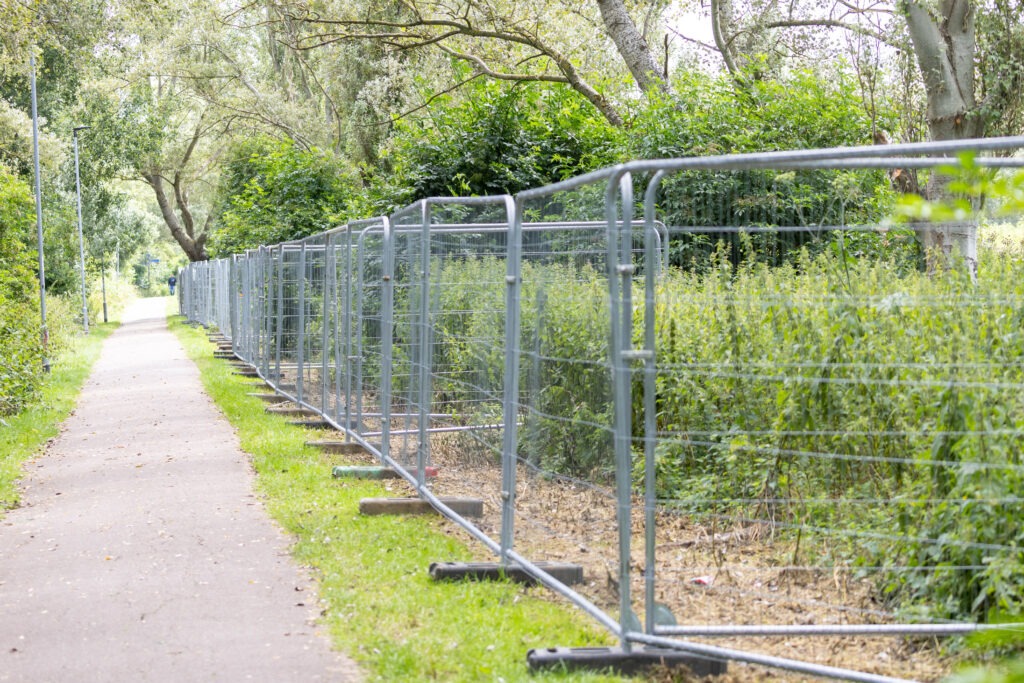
<point>843,392</point>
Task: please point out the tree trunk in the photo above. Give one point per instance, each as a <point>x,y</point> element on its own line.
<point>721,31</point>
<point>193,246</point>
<point>944,43</point>
<point>631,46</point>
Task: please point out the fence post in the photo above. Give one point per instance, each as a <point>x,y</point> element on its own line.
<point>620,280</point>
<point>651,255</point>
<point>328,302</point>
<point>513,282</point>
<point>266,281</point>
<point>354,361</point>
<point>336,348</point>
<point>279,332</point>
<point>300,346</point>
<point>387,336</point>
<point>425,354</point>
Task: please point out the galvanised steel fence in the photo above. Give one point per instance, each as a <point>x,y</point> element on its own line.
<point>748,403</point>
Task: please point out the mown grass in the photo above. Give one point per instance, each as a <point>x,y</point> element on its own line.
<point>379,603</point>
<point>25,434</point>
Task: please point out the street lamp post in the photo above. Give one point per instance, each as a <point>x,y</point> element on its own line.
<point>103,283</point>
<point>81,240</point>
<point>39,220</point>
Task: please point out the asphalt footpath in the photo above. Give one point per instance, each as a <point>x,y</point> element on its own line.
<point>140,551</point>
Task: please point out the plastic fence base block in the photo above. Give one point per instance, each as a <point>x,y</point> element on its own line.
<point>245,373</point>
<point>363,472</point>
<point>467,507</point>
<point>566,572</point>
<point>639,659</point>
<point>346,447</point>
<point>269,398</point>
<point>372,472</point>
<point>290,411</point>
<point>311,424</point>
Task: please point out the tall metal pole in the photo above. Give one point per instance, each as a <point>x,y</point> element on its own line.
<point>103,283</point>
<point>81,240</point>
<point>39,218</point>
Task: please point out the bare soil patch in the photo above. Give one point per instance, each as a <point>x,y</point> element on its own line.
<point>704,574</point>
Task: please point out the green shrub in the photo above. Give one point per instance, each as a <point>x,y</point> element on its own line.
<point>710,115</point>
<point>274,192</point>
<point>20,338</point>
<point>840,383</point>
<point>495,138</point>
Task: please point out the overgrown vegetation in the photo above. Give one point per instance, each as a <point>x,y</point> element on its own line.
<point>834,392</point>
<point>274,192</point>
<point>21,348</point>
<point>33,403</point>
<point>857,381</point>
<point>498,138</point>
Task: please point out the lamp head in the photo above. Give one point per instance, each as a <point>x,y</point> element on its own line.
<point>78,128</point>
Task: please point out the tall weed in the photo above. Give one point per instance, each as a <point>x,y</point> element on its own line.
<point>854,396</point>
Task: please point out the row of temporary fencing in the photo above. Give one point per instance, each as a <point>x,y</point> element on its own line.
<point>739,421</point>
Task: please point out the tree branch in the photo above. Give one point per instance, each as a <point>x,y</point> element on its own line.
<point>834,23</point>
<point>718,9</point>
<point>405,35</point>
<point>484,70</point>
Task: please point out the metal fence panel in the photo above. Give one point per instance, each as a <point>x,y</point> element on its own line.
<point>743,401</point>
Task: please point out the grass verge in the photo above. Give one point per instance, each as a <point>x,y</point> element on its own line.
<point>25,434</point>
<point>379,603</point>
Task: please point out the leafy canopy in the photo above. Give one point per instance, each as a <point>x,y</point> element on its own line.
<point>273,191</point>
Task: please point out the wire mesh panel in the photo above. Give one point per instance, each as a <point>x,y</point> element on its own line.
<point>312,384</point>
<point>448,332</point>
<point>833,418</point>
<point>252,301</point>
<point>190,290</point>
<point>288,327</point>
<point>368,292</point>
<point>353,326</point>
<point>241,338</point>
<point>225,289</point>
<point>564,464</point>
<point>334,358</point>
<point>274,274</point>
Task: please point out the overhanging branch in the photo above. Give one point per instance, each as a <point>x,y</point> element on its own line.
<point>834,23</point>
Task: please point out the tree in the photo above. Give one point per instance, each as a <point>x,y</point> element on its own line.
<point>502,138</point>
<point>184,87</point>
<point>537,41</point>
<point>632,46</point>
<point>969,55</point>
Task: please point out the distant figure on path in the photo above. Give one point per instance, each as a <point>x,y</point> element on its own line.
<point>171,281</point>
